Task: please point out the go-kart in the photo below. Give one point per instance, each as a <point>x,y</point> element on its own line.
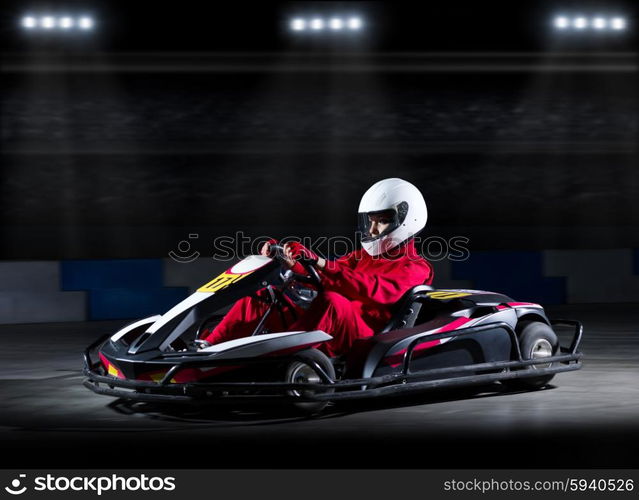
<point>435,339</point>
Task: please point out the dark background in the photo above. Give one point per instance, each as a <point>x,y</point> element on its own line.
<point>209,118</point>
<point>170,120</point>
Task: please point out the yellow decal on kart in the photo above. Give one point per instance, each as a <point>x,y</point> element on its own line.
<point>447,295</point>
<point>222,281</point>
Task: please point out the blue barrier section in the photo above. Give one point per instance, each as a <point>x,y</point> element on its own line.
<point>132,303</point>
<point>516,274</point>
<point>120,289</point>
<point>98,274</point>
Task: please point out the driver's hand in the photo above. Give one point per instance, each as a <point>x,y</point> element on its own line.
<point>298,251</point>
<point>266,247</point>
<point>290,259</point>
<point>295,251</point>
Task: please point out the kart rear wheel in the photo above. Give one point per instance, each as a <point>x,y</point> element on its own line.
<point>303,371</point>
<point>537,340</point>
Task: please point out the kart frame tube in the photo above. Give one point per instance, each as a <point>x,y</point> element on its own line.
<point>368,387</point>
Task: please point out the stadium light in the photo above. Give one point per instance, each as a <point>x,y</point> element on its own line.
<point>47,22</point>
<point>583,23</point>
<point>50,23</point>
<point>298,24</point>
<point>618,23</point>
<point>354,23</point>
<point>29,22</point>
<point>65,23</point>
<point>598,23</point>
<point>85,23</point>
<point>334,23</point>
<point>317,24</point>
<point>580,23</point>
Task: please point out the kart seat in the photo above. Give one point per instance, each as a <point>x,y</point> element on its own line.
<point>407,309</point>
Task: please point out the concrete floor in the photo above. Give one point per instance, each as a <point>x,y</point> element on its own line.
<point>588,418</point>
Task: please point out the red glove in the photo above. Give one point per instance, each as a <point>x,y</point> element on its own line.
<point>298,251</point>
<point>266,247</point>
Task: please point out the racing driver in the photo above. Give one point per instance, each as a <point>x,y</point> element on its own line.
<point>360,288</point>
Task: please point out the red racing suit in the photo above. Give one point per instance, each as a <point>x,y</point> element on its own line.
<point>359,292</point>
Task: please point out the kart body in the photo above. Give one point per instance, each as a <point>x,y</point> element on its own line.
<point>435,339</point>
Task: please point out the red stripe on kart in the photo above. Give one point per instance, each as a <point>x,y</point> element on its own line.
<point>108,366</point>
<point>396,359</point>
<point>501,308</point>
<point>522,304</point>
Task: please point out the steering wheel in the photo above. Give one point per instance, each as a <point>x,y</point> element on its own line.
<point>312,278</point>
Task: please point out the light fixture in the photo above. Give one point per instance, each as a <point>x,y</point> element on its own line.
<point>51,23</point>
<point>317,24</point>
<point>618,23</point>
<point>65,23</point>
<point>298,24</point>
<point>585,23</point>
<point>47,22</point>
<point>580,23</point>
<point>29,22</point>
<point>334,23</point>
<point>354,23</point>
<point>85,23</point>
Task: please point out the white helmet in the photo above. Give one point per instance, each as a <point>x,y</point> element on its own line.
<point>403,203</point>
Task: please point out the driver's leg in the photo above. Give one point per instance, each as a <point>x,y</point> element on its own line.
<point>334,314</point>
<point>244,316</point>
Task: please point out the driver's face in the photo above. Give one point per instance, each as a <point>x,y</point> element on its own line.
<point>379,223</point>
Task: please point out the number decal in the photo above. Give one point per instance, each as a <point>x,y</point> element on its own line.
<point>446,295</point>
<point>222,281</point>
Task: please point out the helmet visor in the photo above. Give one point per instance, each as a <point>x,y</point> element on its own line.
<point>375,225</point>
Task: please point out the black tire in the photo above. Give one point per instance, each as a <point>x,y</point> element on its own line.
<point>536,339</point>
<point>301,370</point>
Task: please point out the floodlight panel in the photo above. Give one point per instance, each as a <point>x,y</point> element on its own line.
<point>47,22</point>
<point>85,23</point>
<point>298,24</point>
<point>580,23</point>
<point>618,23</point>
<point>317,24</point>
<point>354,23</point>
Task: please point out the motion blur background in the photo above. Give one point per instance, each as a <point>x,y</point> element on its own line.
<point>174,120</point>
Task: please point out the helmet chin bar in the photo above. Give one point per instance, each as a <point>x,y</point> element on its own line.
<point>382,245</point>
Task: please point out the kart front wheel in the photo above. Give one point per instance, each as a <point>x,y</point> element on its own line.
<point>304,370</point>
<point>537,340</point>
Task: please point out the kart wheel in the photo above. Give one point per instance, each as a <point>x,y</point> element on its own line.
<point>537,340</point>
<point>302,371</point>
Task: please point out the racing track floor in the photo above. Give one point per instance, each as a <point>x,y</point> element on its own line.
<point>588,418</point>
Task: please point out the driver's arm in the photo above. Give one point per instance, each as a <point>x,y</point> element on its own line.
<point>385,287</point>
